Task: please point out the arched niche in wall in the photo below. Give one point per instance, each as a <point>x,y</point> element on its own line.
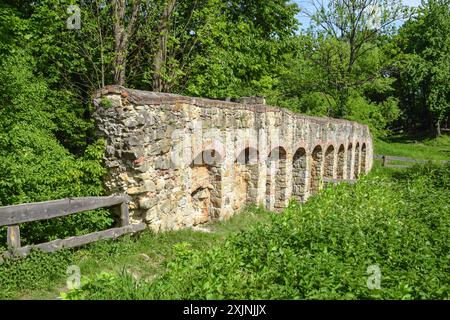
<point>206,192</point>
<point>363,158</point>
<point>329,162</point>
<point>356,163</point>
<point>340,162</point>
<point>246,177</point>
<point>276,183</point>
<point>299,175</point>
<point>316,170</point>
<point>349,161</point>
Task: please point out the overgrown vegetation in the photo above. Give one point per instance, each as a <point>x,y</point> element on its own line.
<point>385,77</point>
<point>396,219</point>
<point>416,146</point>
<point>43,276</point>
<point>392,79</point>
<point>320,250</point>
<point>34,164</point>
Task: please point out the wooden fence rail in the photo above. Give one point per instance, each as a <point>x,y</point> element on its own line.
<point>386,159</point>
<point>385,163</point>
<point>12,216</point>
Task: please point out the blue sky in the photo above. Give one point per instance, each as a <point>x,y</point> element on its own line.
<point>305,4</point>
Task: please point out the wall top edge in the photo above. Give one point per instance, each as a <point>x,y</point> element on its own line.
<point>141,97</point>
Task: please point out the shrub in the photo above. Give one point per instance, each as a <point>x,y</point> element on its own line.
<point>322,249</point>
<point>37,271</point>
<point>34,165</point>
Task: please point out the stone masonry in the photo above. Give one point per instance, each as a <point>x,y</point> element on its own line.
<point>186,161</point>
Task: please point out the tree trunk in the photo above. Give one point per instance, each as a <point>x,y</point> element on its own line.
<point>160,58</point>
<point>122,34</point>
<point>102,59</point>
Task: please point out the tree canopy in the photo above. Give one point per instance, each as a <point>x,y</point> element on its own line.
<point>355,62</point>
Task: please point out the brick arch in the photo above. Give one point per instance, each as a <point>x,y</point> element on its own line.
<point>349,160</point>
<point>213,144</point>
<point>272,148</point>
<point>363,158</point>
<point>206,191</point>
<point>356,162</point>
<point>316,169</point>
<point>299,145</point>
<point>340,162</point>
<point>329,162</point>
<point>246,177</point>
<point>276,182</point>
<point>299,174</point>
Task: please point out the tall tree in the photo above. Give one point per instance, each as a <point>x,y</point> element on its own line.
<point>160,58</point>
<point>123,31</point>
<point>347,30</point>
<point>424,65</point>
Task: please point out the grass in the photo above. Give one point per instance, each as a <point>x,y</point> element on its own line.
<point>320,250</point>
<point>416,147</point>
<point>143,256</point>
<point>396,221</point>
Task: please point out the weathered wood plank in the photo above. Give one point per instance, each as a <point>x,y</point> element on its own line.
<point>390,158</point>
<point>12,215</point>
<point>13,237</point>
<point>124,214</point>
<point>73,242</point>
<point>398,166</point>
<point>404,159</point>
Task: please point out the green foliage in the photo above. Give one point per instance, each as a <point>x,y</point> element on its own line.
<point>377,116</point>
<point>423,63</point>
<point>233,46</point>
<point>34,165</point>
<point>417,147</point>
<point>106,284</point>
<point>140,256</point>
<point>106,103</point>
<point>313,78</point>
<point>320,250</point>
<point>37,271</point>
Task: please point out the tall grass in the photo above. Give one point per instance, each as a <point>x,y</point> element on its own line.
<point>398,222</point>
<point>415,147</point>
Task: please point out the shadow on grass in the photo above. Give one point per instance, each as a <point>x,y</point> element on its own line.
<point>409,138</point>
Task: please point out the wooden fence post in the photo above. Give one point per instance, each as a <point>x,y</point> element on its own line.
<point>384,161</point>
<point>13,237</point>
<point>124,214</point>
<point>12,216</point>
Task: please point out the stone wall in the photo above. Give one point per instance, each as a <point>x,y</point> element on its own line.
<point>186,161</point>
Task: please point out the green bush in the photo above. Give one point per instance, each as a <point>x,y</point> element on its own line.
<point>34,163</point>
<point>38,270</point>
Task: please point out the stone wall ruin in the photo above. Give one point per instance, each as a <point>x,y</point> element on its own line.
<point>186,161</point>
